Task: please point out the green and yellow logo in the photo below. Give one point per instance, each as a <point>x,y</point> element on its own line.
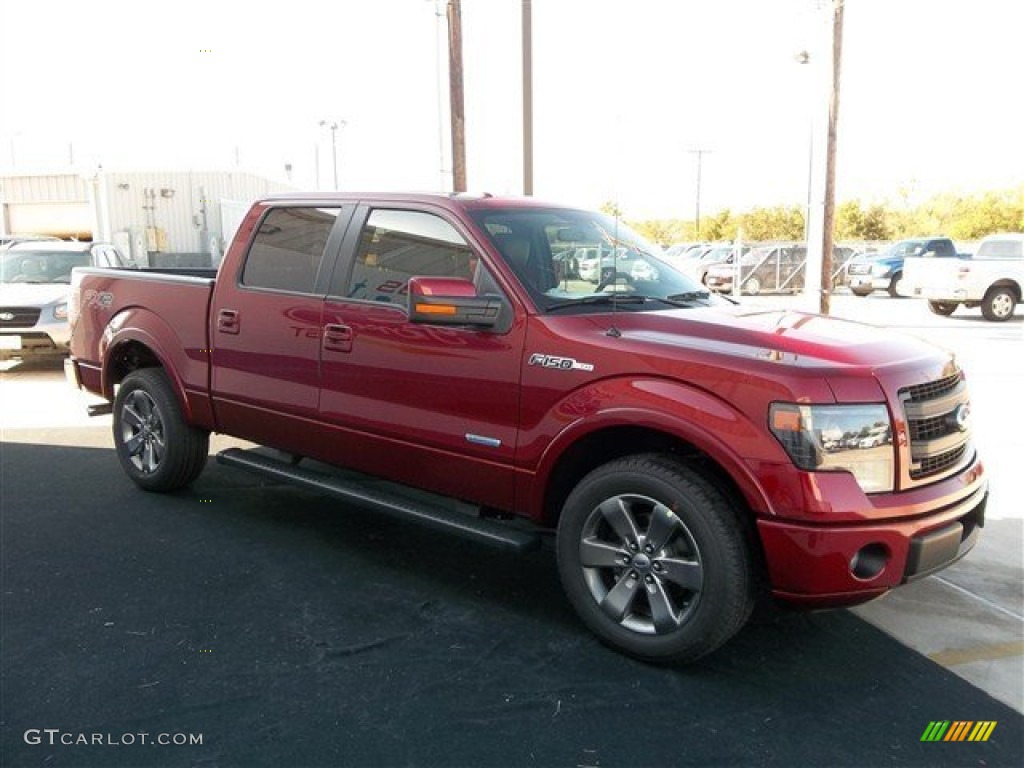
<point>958,730</point>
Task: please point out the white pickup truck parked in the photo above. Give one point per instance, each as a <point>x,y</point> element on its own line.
<point>993,279</point>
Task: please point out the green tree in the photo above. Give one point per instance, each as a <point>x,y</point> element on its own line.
<point>611,208</point>
<point>778,223</point>
<point>720,226</point>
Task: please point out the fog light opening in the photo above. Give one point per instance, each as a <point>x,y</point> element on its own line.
<point>870,561</point>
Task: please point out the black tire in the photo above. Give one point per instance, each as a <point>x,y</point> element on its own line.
<point>861,292</point>
<point>157,449</point>
<point>999,303</point>
<point>655,560</point>
<point>944,308</point>
<point>894,283</point>
<point>752,286</point>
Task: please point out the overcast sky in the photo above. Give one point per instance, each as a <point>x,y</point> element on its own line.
<point>623,92</point>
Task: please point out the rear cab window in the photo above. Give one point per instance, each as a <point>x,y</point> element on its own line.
<point>287,250</point>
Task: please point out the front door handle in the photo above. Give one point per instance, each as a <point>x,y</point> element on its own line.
<point>338,338</point>
<point>229,321</point>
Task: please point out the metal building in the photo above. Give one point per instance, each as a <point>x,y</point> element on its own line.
<point>179,218</point>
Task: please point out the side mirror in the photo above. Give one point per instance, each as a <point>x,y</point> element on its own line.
<point>451,301</point>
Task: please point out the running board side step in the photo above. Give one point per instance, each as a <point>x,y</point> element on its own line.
<point>382,499</point>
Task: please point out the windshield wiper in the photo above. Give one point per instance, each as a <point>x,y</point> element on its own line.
<point>679,300</point>
<point>603,298</point>
<point>689,296</point>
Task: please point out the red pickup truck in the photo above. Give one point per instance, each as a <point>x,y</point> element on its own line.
<point>440,358</point>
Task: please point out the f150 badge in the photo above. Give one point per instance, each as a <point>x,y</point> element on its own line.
<point>559,363</point>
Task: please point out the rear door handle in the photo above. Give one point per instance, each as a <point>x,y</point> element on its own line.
<point>229,321</point>
<point>338,338</point>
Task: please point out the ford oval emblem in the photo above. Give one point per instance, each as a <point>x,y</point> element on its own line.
<point>962,416</point>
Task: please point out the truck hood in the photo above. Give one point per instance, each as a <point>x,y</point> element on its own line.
<point>33,294</point>
<point>780,336</point>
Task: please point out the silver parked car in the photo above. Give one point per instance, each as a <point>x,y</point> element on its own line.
<point>35,280</point>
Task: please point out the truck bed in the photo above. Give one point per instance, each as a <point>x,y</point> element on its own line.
<point>177,303</point>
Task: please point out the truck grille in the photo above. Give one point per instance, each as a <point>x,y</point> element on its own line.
<point>19,317</point>
<point>859,269</point>
<point>937,425</point>
<point>932,389</point>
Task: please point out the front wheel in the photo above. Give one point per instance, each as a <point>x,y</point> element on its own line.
<point>654,559</point>
<point>752,286</point>
<point>998,304</point>
<point>157,448</point>
<point>944,308</point>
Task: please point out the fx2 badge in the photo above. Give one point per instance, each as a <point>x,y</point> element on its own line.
<point>559,363</point>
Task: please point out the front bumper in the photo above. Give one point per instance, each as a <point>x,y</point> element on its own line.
<point>819,565</point>
<point>719,283</point>
<point>46,338</point>
<point>31,344</point>
<point>865,282</point>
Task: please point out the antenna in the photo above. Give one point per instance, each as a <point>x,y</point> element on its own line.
<point>613,331</point>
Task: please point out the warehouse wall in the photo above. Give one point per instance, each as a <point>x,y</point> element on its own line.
<point>152,213</point>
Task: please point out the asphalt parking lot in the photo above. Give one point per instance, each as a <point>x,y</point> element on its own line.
<point>282,630</point>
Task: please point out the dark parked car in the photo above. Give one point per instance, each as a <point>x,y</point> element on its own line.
<point>769,269</point>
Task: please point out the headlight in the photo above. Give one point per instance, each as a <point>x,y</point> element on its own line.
<point>61,311</point>
<point>838,438</point>
<point>880,270</point>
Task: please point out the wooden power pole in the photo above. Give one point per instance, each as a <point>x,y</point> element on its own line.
<point>828,236</point>
<point>456,96</point>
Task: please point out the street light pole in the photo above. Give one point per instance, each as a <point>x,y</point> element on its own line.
<point>803,58</point>
<point>527,97</point>
<point>700,154</point>
<point>332,126</point>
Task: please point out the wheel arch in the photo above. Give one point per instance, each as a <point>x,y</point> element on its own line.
<point>589,449</point>
<point>1006,282</point>
<point>137,339</point>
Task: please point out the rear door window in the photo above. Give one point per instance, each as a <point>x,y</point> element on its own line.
<point>288,249</point>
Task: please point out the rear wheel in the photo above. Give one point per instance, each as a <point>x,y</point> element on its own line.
<point>654,559</point>
<point>157,448</point>
<point>999,303</point>
<point>752,286</point>
<point>944,308</point>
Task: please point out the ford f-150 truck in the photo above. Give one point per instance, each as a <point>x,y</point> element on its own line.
<point>426,356</point>
<point>992,280</point>
<point>870,273</point>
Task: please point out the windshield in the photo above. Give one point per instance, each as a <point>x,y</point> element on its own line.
<point>905,248</point>
<point>40,266</point>
<point>586,261</point>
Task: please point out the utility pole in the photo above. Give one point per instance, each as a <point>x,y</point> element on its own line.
<point>456,95</point>
<point>527,97</point>
<point>700,155</point>
<point>828,237</point>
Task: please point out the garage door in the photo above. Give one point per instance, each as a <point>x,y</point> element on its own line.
<point>60,219</point>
